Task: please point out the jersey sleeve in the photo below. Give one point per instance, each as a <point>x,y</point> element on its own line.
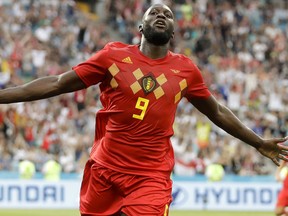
<point>197,87</point>
<point>93,70</point>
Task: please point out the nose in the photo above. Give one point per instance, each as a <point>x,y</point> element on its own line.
<point>161,15</point>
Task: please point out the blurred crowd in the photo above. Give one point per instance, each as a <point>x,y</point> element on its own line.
<point>240,47</point>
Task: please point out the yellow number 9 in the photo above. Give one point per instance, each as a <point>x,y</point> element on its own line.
<point>141,104</point>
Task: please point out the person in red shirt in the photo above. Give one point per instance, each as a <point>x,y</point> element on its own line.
<point>281,208</point>
<point>131,160</point>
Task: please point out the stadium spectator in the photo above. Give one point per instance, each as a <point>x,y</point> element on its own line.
<point>215,172</point>
<point>52,169</point>
<point>27,169</point>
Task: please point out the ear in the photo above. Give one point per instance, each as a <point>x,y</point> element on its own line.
<point>140,28</point>
<point>172,35</point>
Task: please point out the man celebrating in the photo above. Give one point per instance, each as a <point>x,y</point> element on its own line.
<point>141,85</point>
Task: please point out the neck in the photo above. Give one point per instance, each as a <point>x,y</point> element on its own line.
<point>152,51</point>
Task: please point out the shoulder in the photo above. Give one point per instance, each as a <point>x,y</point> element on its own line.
<point>109,50</point>
<point>116,45</point>
<point>117,48</point>
<point>183,60</point>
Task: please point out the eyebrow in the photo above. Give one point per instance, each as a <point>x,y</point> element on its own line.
<point>165,10</point>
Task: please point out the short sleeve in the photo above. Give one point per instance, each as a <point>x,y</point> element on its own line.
<point>94,69</point>
<point>197,87</point>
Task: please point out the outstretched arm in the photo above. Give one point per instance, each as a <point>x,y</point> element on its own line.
<point>225,119</point>
<point>41,88</point>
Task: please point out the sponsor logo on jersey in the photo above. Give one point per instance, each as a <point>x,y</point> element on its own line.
<point>127,60</point>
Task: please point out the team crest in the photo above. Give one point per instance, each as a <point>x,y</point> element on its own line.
<point>148,83</point>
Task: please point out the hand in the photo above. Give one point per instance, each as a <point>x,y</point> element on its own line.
<point>274,149</point>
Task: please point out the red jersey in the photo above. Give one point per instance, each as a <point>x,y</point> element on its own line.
<point>139,97</point>
<point>285,180</point>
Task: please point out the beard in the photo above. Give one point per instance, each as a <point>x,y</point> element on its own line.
<point>157,38</point>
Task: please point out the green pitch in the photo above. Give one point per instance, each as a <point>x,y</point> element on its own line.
<point>172,213</point>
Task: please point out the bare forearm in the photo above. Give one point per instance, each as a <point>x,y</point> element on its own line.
<point>43,88</point>
<point>232,125</point>
<point>35,90</point>
<point>225,119</point>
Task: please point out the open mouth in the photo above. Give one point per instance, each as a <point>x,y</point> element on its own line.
<point>160,24</point>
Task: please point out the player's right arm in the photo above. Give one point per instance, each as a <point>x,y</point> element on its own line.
<point>42,88</point>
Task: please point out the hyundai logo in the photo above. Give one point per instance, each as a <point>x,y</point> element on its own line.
<point>179,195</point>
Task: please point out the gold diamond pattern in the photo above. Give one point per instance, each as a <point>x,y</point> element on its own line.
<point>113,69</point>
<point>161,79</point>
<point>113,83</point>
<point>177,97</point>
<point>158,92</point>
<point>183,84</point>
<point>135,87</point>
<point>138,74</point>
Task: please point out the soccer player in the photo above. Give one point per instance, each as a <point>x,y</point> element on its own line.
<point>282,200</point>
<point>141,85</point>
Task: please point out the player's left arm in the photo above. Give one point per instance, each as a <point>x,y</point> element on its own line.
<point>224,118</point>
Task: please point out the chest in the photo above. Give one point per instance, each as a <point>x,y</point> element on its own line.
<point>132,78</point>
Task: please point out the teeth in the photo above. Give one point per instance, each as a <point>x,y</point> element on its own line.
<point>160,22</point>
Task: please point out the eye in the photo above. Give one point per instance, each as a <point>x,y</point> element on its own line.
<point>168,16</point>
<point>153,13</point>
